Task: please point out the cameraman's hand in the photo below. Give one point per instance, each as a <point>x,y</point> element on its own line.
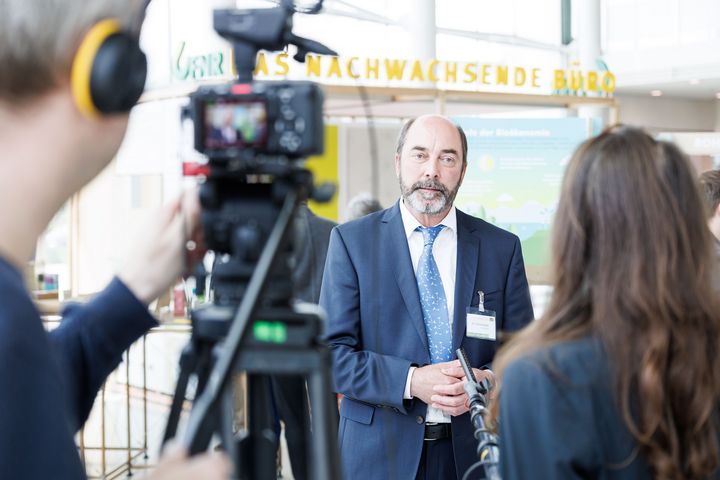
<point>158,257</point>
<point>175,465</point>
<point>425,378</point>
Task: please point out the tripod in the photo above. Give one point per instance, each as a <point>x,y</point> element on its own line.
<point>262,336</point>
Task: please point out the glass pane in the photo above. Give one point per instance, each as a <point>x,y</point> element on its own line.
<point>52,257</point>
<point>537,20</point>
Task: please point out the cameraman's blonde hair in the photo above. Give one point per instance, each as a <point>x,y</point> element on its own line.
<point>38,40</point>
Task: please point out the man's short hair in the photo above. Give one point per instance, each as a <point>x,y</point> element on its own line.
<point>360,205</point>
<point>710,189</point>
<point>38,40</point>
<point>408,124</point>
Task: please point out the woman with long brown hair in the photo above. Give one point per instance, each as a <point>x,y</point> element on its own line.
<point>620,378</point>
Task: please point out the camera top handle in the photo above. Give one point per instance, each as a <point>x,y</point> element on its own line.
<point>239,27</point>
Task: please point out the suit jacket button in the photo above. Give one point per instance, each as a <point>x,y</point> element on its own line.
<point>419,419</point>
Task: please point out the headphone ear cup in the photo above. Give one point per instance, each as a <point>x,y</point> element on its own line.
<point>118,74</point>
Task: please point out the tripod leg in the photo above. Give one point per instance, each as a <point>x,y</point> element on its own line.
<point>196,358</point>
<point>259,448</point>
<point>227,418</point>
<point>188,363</point>
<point>325,454</point>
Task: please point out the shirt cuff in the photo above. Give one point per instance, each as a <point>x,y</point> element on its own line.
<point>406,394</point>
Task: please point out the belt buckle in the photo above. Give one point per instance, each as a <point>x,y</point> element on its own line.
<point>430,439</point>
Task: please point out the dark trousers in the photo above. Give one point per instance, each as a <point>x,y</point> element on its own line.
<point>437,461</point>
<point>292,406</point>
<point>291,400</point>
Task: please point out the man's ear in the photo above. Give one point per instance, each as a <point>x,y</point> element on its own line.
<point>464,170</point>
<point>397,165</point>
<point>716,214</point>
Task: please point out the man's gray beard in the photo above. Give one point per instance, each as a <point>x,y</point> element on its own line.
<point>417,201</point>
<point>415,198</point>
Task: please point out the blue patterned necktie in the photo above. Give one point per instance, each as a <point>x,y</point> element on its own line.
<point>432,299</point>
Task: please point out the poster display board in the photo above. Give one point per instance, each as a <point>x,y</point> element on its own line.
<point>515,168</point>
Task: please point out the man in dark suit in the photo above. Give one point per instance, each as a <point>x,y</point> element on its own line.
<point>396,289</point>
<point>312,234</point>
<point>710,189</point>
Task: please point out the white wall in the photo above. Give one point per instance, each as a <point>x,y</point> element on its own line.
<point>661,40</point>
<point>668,114</point>
<point>111,213</point>
<point>356,163</point>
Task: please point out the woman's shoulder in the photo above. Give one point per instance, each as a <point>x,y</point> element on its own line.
<point>579,362</point>
<point>562,393</point>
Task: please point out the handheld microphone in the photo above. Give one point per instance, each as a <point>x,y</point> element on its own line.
<point>487,449</point>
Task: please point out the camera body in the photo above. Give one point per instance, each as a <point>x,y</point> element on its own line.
<point>273,119</point>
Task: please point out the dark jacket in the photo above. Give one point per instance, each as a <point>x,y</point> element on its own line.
<point>312,235</point>
<point>48,382</point>
<point>559,420</point>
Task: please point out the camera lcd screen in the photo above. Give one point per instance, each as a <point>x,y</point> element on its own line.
<point>234,123</point>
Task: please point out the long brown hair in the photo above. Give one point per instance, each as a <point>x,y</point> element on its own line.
<point>632,266</point>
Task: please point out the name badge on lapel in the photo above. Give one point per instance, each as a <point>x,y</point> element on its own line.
<point>480,323</point>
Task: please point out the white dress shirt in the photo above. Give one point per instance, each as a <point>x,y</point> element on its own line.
<point>445,254</point>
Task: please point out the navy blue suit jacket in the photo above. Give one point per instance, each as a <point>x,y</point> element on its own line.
<point>376,332</point>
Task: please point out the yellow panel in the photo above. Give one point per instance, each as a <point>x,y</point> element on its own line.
<point>325,169</point>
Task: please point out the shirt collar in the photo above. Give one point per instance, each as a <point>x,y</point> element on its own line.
<point>410,223</point>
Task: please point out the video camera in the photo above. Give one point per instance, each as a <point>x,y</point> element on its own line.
<point>254,135</point>
<point>251,131</point>
<point>258,119</point>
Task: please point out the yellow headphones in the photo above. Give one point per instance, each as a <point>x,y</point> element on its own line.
<point>108,71</point>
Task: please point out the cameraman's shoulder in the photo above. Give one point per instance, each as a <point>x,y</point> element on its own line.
<point>18,314</point>
<point>12,284</point>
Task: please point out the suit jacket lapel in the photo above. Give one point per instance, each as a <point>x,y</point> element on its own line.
<point>404,272</point>
<point>468,250</point>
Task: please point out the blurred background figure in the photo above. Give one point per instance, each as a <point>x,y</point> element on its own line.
<point>710,187</point>
<point>620,378</point>
<point>360,205</point>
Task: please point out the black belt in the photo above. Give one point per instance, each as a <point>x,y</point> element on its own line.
<point>437,431</point>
